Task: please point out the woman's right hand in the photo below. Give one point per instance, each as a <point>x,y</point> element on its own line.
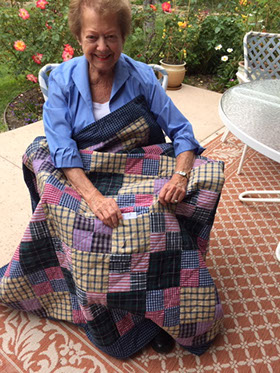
<point>106,209</point>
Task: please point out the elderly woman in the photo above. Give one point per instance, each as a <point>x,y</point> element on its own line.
<point>121,219</point>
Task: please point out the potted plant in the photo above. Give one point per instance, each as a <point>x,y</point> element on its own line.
<point>174,52</point>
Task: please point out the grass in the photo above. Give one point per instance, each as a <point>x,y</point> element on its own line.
<point>10,87</point>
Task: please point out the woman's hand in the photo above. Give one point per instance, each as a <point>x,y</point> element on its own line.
<point>174,190</point>
<point>106,209</point>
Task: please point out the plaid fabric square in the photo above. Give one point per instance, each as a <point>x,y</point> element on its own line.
<point>155,150</point>
<point>16,269</point>
<point>70,202</point>
<point>140,210</point>
<point>72,192</point>
<point>204,278</point>
<point>82,297</point>
<point>171,223</point>
<point>108,162</point>
<point>190,277</point>
<point>47,166</point>
<point>13,289</point>
<point>69,280</point>
<point>190,259</point>
<point>172,316</point>
<point>52,180</point>
<point>52,194</point>
<point>101,243</point>
<point>202,215</point>
<point>185,209</point>
<point>132,236</point>
<point>59,285</point>
<point>134,166</point>
<point>203,327</point>
<point>125,200</point>
<point>133,301</point>
<point>157,222</point>
<point>158,241</point>
<point>39,229</point>
<point>135,134</point>
<point>172,330</point>
<point>125,325</point>
<point>39,277</point>
<point>197,304</point>
<point>74,302</point>
<point>97,298</point>
<point>187,330</point>
<point>166,167</point>
<point>103,328</point>
<point>83,223</point>
<point>190,231</point>
<point>140,262</point>
<point>136,184</point>
<point>171,297</point>
<point>207,199</point>
<point>37,255</point>
<point>30,304</point>
<point>164,270</point>
<point>107,183</point>
<point>174,241</point>
<point>150,167</point>
<point>158,185</point>
<point>118,314</point>
<point>205,232</point>
<point>208,176</point>
<point>62,220</point>
<point>138,281</point>
<point>91,271</point>
<point>43,288</point>
<point>144,199</point>
<point>100,227</point>
<point>156,316</point>
<point>57,305</point>
<point>37,164</point>
<point>120,263</point>
<point>82,240</point>
<point>119,282</point>
<point>155,300</point>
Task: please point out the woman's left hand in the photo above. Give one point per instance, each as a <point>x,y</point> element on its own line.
<point>174,190</point>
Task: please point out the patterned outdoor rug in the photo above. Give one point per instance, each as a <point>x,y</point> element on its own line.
<point>243,265</point>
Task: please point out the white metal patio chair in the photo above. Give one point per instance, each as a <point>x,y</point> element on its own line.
<point>43,77</point>
<point>261,61</point>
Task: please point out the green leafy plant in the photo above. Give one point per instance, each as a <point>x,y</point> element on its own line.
<point>36,35</point>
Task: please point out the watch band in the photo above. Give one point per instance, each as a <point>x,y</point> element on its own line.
<point>182,173</point>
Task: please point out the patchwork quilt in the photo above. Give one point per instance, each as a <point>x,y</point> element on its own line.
<point>124,284</point>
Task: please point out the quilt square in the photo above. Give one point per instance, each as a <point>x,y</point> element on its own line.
<point>174,241</point>
<point>134,166</point>
<point>86,159</point>
<point>171,297</point>
<point>158,184</point>
<point>39,277</point>
<point>72,192</point>
<point>157,222</point>
<point>133,301</point>
<point>154,300</point>
<point>197,304</point>
<point>119,282</point>
<point>82,240</point>
<point>158,241</point>
<point>144,199</point>
<point>101,243</point>
<point>100,227</point>
<point>172,316</point>
<point>69,280</point>
<point>140,262</point>
<point>204,278</point>
<point>203,327</point>
<point>164,270</point>
<point>171,223</point>
<point>83,223</point>
<point>38,230</point>
<point>190,277</point>
<point>104,328</point>
<point>125,200</point>
<point>190,259</point>
<point>125,325</point>
<point>59,285</point>
<point>156,316</point>
<point>120,263</point>
<point>70,202</point>
<point>97,298</point>
<point>187,330</point>
<point>138,281</point>
<point>30,304</point>
<point>150,166</point>
<point>52,194</point>
<point>106,182</point>
<point>37,255</point>
<point>42,288</point>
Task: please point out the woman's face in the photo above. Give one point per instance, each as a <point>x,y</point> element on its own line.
<point>101,40</point>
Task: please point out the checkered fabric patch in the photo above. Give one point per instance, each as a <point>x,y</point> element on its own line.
<point>71,266</point>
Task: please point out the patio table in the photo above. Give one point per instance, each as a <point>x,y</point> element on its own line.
<point>251,111</point>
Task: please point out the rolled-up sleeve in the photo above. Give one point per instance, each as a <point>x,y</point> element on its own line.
<point>172,121</point>
<point>58,130</point>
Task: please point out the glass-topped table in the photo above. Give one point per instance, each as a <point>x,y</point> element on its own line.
<point>251,111</point>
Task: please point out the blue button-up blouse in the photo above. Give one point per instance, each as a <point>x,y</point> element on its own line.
<point>69,108</point>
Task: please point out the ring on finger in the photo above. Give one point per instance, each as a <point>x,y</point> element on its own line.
<point>175,201</point>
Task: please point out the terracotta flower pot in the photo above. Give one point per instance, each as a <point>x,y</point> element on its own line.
<point>176,74</point>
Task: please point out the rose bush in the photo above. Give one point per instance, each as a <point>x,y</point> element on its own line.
<point>34,36</point>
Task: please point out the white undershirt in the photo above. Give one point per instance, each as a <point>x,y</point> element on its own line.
<point>100,110</point>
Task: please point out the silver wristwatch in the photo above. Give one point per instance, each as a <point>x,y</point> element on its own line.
<point>182,173</point>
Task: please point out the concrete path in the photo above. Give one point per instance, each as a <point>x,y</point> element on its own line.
<point>198,105</point>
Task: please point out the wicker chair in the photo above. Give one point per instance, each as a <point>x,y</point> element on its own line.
<point>261,61</point>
